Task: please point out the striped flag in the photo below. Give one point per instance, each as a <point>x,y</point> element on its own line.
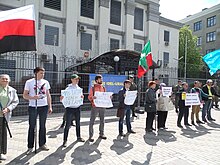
<point>145,60</point>
<point>17,29</point>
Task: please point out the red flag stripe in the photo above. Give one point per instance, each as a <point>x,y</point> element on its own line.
<point>17,27</point>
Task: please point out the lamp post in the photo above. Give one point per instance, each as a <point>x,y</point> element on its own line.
<point>116,59</point>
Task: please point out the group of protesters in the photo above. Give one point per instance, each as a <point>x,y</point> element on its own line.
<point>37,92</point>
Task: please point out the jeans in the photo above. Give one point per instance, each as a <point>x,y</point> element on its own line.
<point>33,113</point>
<point>206,110</point>
<point>127,118</point>
<point>70,112</point>
<point>94,112</point>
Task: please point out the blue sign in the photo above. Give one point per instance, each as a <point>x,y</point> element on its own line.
<point>112,83</point>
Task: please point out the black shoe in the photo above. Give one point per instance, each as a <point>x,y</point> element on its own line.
<point>199,122</point>
<point>131,131</point>
<point>153,129</point>
<point>205,120</point>
<point>179,125</point>
<point>91,139</point>
<point>64,143</point>
<point>122,134</point>
<point>63,124</point>
<point>192,122</point>
<point>211,119</point>
<point>103,137</point>
<point>134,115</point>
<point>148,130</point>
<point>80,140</point>
<point>187,124</point>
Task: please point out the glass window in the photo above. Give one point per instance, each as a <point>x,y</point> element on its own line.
<point>53,4</point>
<point>165,59</point>
<point>210,36</point>
<point>138,47</point>
<point>198,26</point>
<point>114,44</point>
<point>211,21</point>
<point>115,13</point>
<point>199,41</point>
<point>51,35</point>
<point>209,50</point>
<point>87,8</point>
<point>86,41</point>
<point>8,67</point>
<point>138,19</point>
<point>166,36</point>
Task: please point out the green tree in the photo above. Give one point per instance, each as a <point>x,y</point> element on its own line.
<point>188,47</point>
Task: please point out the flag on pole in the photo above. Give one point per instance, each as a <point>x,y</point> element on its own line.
<point>17,29</point>
<point>145,60</point>
<point>212,59</point>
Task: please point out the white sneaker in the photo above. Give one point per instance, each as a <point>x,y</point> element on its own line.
<point>3,157</point>
<point>29,151</point>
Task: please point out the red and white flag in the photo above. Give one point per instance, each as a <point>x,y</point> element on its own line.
<point>17,29</point>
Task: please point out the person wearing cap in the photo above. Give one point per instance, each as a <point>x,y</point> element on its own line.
<point>125,109</point>
<point>98,86</point>
<point>133,87</point>
<point>183,109</point>
<point>176,91</point>
<point>206,110</point>
<point>196,108</point>
<point>72,111</point>
<point>150,106</point>
<point>164,104</point>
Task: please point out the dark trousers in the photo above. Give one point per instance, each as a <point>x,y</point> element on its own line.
<point>183,111</point>
<point>70,112</point>
<point>33,113</point>
<point>127,118</point>
<point>206,110</point>
<point>150,120</point>
<point>3,136</point>
<point>162,117</point>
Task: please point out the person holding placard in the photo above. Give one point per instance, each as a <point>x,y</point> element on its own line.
<point>133,87</point>
<point>150,106</point>
<point>72,110</point>
<point>196,108</point>
<point>123,109</point>
<point>183,109</point>
<point>164,104</point>
<point>96,110</point>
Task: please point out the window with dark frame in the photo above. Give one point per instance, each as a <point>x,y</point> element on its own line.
<point>138,47</point>
<point>166,36</point>
<point>197,26</point>
<point>87,8</point>
<point>210,36</point>
<point>115,12</point>
<point>211,21</point>
<point>199,41</point>
<point>51,35</point>
<point>165,59</point>
<point>114,44</point>
<point>86,41</point>
<point>53,4</point>
<point>138,19</point>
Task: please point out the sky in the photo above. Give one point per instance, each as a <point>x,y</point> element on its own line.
<point>180,9</point>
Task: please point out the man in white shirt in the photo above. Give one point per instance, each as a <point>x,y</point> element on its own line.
<point>36,90</point>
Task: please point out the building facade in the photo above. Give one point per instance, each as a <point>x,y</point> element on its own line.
<point>206,26</point>
<point>72,31</point>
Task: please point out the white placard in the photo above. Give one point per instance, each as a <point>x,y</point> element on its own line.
<point>166,91</point>
<point>103,99</point>
<point>72,97</point>
<point>192,99</point>
<point>130,97</point>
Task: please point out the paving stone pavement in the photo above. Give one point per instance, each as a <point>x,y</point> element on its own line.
<point>196,145</point>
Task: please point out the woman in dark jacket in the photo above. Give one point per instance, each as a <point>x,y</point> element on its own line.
<point>150,106</point>
<point>123,109</point>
